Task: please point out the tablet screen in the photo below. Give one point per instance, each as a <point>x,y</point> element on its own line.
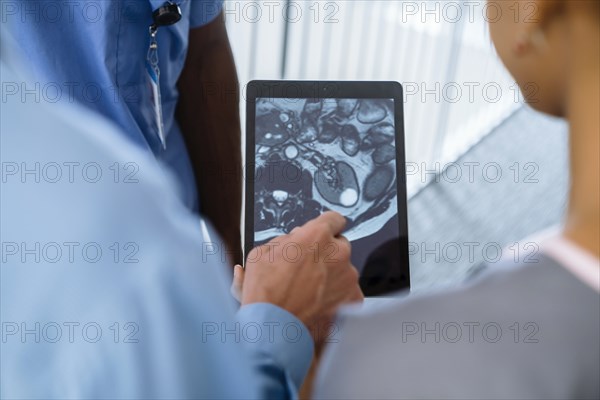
<point>314,155</point>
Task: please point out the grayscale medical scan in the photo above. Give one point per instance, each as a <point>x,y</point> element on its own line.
<point>316,155</point>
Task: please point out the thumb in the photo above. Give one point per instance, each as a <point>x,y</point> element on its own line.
<point>238,282</point>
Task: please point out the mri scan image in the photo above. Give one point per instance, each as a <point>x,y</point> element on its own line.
<point>315,155</point>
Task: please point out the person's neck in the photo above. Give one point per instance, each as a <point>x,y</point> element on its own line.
<point>583,102</point>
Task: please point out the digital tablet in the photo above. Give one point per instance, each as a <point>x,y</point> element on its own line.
<point>314,146</point>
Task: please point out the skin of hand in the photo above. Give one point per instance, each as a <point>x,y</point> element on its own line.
<point>310,281</point>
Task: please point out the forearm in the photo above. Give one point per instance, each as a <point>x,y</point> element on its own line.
<point>208,114</point>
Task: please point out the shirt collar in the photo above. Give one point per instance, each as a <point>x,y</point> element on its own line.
<point>581,263</point>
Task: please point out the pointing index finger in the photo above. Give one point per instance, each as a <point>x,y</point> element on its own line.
<point>335,221</point>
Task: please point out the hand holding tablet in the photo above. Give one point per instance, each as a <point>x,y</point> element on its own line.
<point>331,146</point>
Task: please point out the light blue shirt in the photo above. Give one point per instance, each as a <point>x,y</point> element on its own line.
<point>94,53</point>
<point>110,288</point>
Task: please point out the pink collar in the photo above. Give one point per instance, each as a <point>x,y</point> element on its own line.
<point>581,263</point>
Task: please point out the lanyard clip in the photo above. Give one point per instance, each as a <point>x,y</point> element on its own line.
<point>167,14</point>
<point>153,48</point>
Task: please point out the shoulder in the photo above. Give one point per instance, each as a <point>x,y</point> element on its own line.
<point>79,184</point>
<point>495,337</point>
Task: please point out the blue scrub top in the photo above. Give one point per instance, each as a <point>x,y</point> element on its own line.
<point>94,53</point>
<point>109,287</point>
